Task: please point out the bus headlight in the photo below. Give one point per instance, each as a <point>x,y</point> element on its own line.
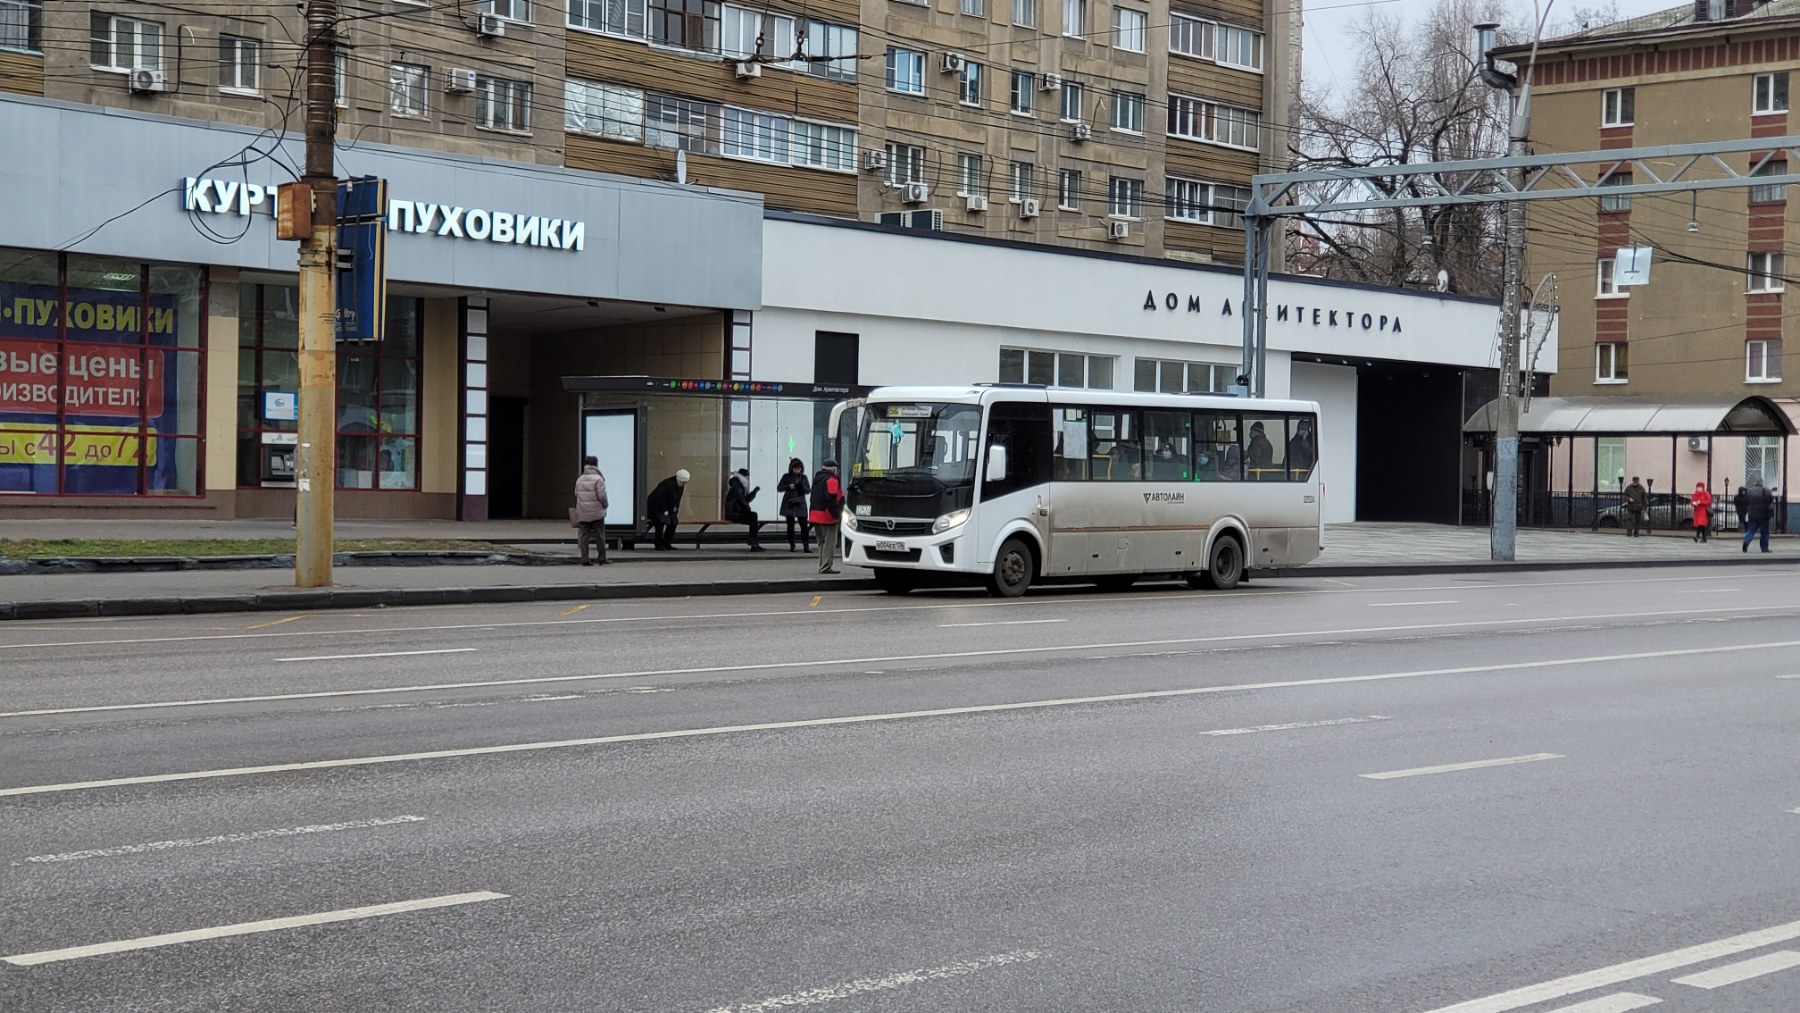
<point>849,522</point>
<point>948,521</point>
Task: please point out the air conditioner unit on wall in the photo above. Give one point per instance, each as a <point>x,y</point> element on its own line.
<point>459,80</point>
<point>1700,444</point>
<point>1030,207</point>
<point>144,81</point>
<point>955,63</point>
<point>977,203</point>
<point>915,193</point>
<point>875,161</point>
<point>747,70</point>
<point>1053,82</point>
<point>491,26</point>
<point>1080,132</point>
<point>1118,230</point>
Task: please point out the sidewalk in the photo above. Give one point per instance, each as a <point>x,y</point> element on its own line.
<point>1350,550</point>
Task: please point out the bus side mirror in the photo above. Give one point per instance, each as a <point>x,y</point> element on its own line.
<point>996,463</point>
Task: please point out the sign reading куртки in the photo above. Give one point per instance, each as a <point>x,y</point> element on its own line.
<point>241,199</point>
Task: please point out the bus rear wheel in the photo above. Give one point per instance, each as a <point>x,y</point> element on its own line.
<point>1224,566</point>
<point>1013,569</point>
<point>896,581</point>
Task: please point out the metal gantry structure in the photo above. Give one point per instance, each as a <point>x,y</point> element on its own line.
<point>1618,172</point>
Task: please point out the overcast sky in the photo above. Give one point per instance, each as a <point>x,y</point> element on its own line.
<point>1327,58</point>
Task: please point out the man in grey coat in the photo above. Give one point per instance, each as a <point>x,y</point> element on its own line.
<point>589,512</point>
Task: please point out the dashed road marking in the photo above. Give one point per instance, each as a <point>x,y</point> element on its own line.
<point>195,842</point>
<point>863,986</point>
<point>277,622</point>
<point>381,654</point>
<point>578,608</point>
<point>1009,622</point>
<point>1398,604</point>
<point>1471,765</point>
<point>1743,970</point>
<point>1619,1002</point>
<point>1297,724</point>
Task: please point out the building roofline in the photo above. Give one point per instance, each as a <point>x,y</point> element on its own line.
<point>1619,35</point>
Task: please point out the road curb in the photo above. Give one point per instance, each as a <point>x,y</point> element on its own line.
<point>1517,566</point>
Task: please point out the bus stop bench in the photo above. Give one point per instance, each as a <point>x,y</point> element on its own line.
<point>631,540</point>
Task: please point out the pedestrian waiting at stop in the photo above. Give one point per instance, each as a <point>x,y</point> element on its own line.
<point>1758,507</point>
<point>738,495</point>
<point>1702,501</point>
<point>1637,507</point>
<point>663,508</point>
<point>826,513</point>
<point>795,491</point>
<point>589,512</point>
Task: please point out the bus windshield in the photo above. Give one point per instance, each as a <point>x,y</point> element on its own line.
<point>919,443</point>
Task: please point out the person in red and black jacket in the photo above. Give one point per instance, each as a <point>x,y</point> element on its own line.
<point>827,510</point>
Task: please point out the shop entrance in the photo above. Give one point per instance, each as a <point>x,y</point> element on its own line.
<point>506,466</point>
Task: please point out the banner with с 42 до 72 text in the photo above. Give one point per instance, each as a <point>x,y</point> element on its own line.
<point>86,358</point>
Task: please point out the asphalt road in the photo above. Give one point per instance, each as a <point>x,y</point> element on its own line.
<point>1571,792</point>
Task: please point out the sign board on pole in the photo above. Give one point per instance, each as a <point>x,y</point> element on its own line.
<point>1631,266</point>
<point>362,259</point>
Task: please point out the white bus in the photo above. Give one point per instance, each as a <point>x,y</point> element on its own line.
<point>1013,484</point>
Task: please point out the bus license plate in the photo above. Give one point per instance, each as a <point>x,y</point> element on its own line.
<point>890,546</point>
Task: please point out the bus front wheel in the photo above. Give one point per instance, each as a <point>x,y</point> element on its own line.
<point>1224,567</point>
<point>1012,569</point>
<point>896,581</point>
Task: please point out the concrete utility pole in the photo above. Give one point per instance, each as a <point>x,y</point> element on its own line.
<point>1503,531</point>
<point>317,465</point>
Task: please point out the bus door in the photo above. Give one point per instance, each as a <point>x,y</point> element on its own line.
<point>1016,481</point>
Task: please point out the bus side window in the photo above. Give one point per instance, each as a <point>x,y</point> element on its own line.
<point>1117,454</point>
<point>1168,442</point>
<point>1302,447</point>
<point>1217,455</point>
<point>1071,444</point>
<point>1265,448</point>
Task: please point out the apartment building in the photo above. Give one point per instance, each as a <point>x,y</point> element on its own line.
<point>1712,321</point>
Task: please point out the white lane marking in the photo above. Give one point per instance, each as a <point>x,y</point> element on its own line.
<point>859,719</point>
<point>1009,622</point>
<point>1471,765</point>
<point>1297,724</point>
<point>863,986</point>
<point>1398,604</point>
<point>195,842</point>
<point>1743,970</point>
<point>1710,590</point>
<point>1538,622</point>
<point>1619,1002</point>
<point>1613,975</point>
<point>1243,595</point>
<point>382,654</point>
<point>248,928</point>
<point>1796,675</point>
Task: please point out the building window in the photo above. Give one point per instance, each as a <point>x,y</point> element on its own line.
<point>752,34</point>
<point>824,146</point>
<point>1609,461</point>
<point>1762,360</point>
<point>1128,112</point>
<point>22,25</point>
<point>1769,92</point>
<point>1022,173</point>
<point>377,395</point>
<point>906,71</point>
<point>1238,47</point>
<point>975,7</point>
<point>1762,460</point>
<point>1128,29</point>
<point>1765,272</point>
<point>687,24</point>
<point>1187,200</point>
<point>503,105</point>
<point>1023,88</point>
<point>604,110</point>
<point>1200,120</point>
<point>124,43</point>
<point>1168,376</point>
<point>1187,117</point>
<point>1190,36</point>
<point>104,388</point>
<point>830,51</point>
<point>969,87</point>
<point>906,163</point>
<point>614,17</point>
<point>408,87</point>
<point>1024,13</point>
<point>238,62</point>
<point>1056,369</point>
<point>1610,359</point>
<point>1074,17</point>
<point>760,136</point>
<point>969,182</point>
<point>1621,203</point>
<point>1618,107</point>
<point>1769,193</point>
<point>1074,96</point>
<point>1068,189</point>
<point>683,124</point>
<point>1606,285</point>
<point>512,10</point>
<point>1125,197</point>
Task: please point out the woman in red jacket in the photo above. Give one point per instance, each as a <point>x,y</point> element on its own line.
<point>1702,501</point>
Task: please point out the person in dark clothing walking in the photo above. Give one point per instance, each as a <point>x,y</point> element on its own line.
<point>738,495</point>
<point>589,512</point>
<point>663,507</point>
<point>1637,500</point>
<point>1758,507</point>
<point>795,491</point>
<point>827,510</point>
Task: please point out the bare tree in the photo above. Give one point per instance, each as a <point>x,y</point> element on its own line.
<point>1416,97</point>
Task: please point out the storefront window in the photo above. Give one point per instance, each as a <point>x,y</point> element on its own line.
<point>377,398</point>
<point>101,376</point>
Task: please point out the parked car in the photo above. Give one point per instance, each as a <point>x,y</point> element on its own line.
<point>1663,514</point>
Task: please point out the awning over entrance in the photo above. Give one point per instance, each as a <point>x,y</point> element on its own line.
<point>1640,416</point>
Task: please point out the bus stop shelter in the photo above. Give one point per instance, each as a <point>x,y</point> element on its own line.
<point>1561,480</point>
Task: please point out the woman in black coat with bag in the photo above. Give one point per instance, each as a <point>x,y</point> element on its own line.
<point>795,490</point>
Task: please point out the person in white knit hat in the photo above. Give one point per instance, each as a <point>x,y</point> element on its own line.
<point>663,508</point>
